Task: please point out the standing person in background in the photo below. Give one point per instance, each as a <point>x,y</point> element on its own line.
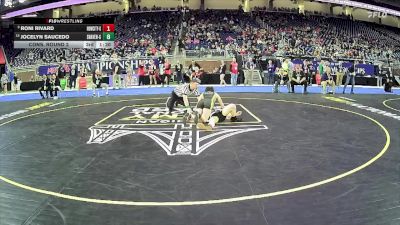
<point>321,67</point>
<point>10,74</point>
<point>15,83</point>
<point>152,73</point>
<point>4,82</point>
<point>271,73</point>
<point>290,69</point>
<point>167,67</point>
<point>234,69</point>
<point>307,69</point>
<point>161,73</point>
<point>222,71</point>
<point>339,75</point>
<point>19,82</point>
<point>142,74</point>
<point>73,76</point>
<point>129,75</point>
<point>350,75</point>
<point>161,70</point>
<point>55,85</point>
<point>248,75</point>
<point>179,74</point>
<point>116,75</point>
<point>379,75</point>
<point>389,81</point>
<point>285,75</point>
<point>61,72</point>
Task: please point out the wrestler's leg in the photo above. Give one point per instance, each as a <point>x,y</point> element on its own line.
<point>231,111</point>
<point>205,115</point>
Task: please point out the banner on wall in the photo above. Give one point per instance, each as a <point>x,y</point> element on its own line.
<point>365,70</point>
<point>360,69</point>
<point>105,66</point>
<point>47,70</point>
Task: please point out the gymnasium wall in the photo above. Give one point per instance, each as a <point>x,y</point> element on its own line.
<point>338,10</point>
<point>391,21</point>
<point>285,4</point>
<point>161,3</point>
<point>316,6</point>
<point>97,7</point>
<point>57,13</point>
<point>362,14</point>
<point>259,3</point>
<point>220,4</point>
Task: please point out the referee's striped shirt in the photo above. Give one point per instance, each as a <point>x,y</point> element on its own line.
<point>184,89</point>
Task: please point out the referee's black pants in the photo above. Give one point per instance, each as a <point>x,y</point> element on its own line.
<point>142,80</point>
<point>172,100</point>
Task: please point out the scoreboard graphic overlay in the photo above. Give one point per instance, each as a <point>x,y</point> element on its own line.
<point>64,33</point>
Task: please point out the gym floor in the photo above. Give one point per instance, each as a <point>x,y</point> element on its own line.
<point>295,159</point>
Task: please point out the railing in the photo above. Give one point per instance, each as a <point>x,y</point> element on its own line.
<point>208,53</point>
<point>384,60</point>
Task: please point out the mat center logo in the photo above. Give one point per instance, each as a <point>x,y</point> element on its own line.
<point>168,131</point>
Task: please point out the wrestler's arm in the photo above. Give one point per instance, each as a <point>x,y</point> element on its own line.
<point>221,103</point>
<point>186,100</point>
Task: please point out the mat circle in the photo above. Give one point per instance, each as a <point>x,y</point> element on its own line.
<point>212,201</point>
<point>385,103</point>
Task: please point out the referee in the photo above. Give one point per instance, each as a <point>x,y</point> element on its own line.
<point>180,94</point>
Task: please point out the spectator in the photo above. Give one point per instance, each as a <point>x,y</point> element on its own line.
<point>222,72</point>
<point>271,73</point>
<point>55,86</point>
<point>142,74</point>
<point>98,82</point>
<point>4,83</point>
<point>152,73</point>
<point>350,75</point>
<point>167,67</point>
<point>179,72</point>
<point>327,79</point>
<point>248,74</point>
<point>234,69</point>
<point>46,86</point>
<point>299,78</point>
<point>73,76</point>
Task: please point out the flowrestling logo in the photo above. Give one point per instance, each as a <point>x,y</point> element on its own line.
<point>168,131</point>
<point>377,14</point>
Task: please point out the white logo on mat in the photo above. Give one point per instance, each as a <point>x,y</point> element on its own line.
<point>167,131</point>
